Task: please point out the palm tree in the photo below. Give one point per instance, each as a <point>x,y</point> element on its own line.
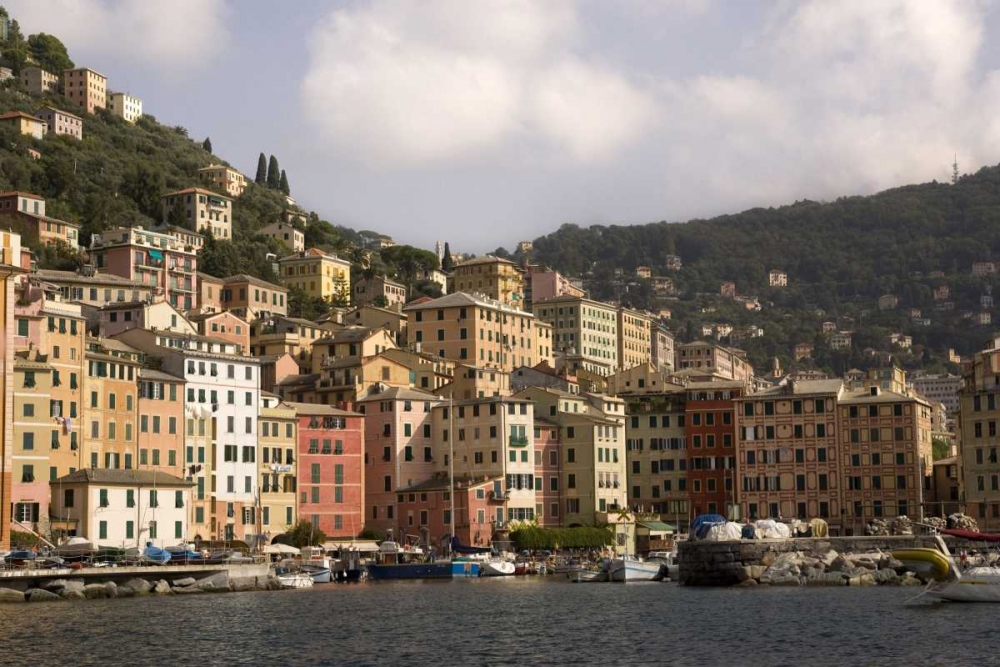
<point>625,517</point>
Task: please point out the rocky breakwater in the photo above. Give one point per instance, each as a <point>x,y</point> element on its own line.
<point>847,561</point>
<point>56,590</point>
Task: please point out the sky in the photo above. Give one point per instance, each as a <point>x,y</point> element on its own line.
<point>483,123</point>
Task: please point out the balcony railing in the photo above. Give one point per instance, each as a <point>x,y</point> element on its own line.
<point>518,441</point>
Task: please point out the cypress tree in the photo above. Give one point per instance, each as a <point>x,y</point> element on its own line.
<point>261,176</point>
<point>207,144</point>
<point>447,264</point>
<point>273,173</point>
<point>283,183</point>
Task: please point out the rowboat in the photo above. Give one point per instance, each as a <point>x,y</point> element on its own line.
<point>296,580</point>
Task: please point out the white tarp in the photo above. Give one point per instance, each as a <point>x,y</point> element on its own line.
<point>723,532</point>
<point>769,528</point>
<point>283,549</point>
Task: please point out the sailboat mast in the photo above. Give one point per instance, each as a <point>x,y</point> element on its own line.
<point>451,459</point>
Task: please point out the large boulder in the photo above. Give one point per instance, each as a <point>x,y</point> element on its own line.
<point>139,586</point>
<point>125,592</point>
<point>162,588</point>
<point>214,583</point>
<point>112,589</point>
<point>186,590</point>
<point>41,595</point>
<point>885,576</point>
<point>909,580</point>
<point>95,591</point>
<point>186,581</point>
<point>827,579</point>
<point>54,584</point>
<point>10,595</point>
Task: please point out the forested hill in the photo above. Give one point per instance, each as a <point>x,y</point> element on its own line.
<point>840,256</point>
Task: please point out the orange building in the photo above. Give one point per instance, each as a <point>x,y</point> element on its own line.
<point>109,415</point>
<point>161,422</point>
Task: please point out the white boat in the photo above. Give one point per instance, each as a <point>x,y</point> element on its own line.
<point>583,576</point>
<point>977,584</point>
<point>630,569</point>
<point>668,561</point>
<point>296,580</point>
<point>496,567</point>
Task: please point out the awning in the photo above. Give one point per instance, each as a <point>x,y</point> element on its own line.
<point>657,527</point>
<point>283,549</point>
<point>156,254</point>
<point>369,546</point>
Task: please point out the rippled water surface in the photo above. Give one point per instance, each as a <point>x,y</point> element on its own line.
<point>523,621</point>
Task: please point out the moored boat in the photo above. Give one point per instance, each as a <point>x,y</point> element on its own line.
<point>586,576</point>
<point>630,569</point>
<point>497,567</point>
<point>295,580</point>
<point>318,573</point>
<point>392,562</point>
<point>155,555</point>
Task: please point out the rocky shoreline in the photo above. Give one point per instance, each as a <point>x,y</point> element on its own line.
<point>796,568</point>
<point>56,590</point>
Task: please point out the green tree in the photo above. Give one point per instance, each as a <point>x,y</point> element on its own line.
<point>15,49</point>
<point>447,264</point>
<point>273,173</point>
<point>305,534</point>
<point>177,216</point>
<point>49,52</point>
<point>261,177</point>
<point>207,144</point>
<point>144,183</point>
<point>301,304</point>
<point>283,183</point>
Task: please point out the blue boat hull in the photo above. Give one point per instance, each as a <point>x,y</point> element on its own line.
<point>410,571</point>
<point>460,568</point>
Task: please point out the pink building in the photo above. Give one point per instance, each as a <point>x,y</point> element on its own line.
<point>330,470</point>
<point>209,293</point>
<point>399,449</point>
<point>425,511</point>
<point>547,458</point>
<point>224,325</point>
<point>543,283</point>
<point>150,258</point>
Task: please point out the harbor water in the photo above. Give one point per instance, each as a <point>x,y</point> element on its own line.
<point>512,621</point>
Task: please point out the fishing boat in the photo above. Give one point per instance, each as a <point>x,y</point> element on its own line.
<point>497,567</point>
<point>75,549</point>
<point>318,573</point>
<point>295,580</point>
<point>669,568</point>
<point>155,555</point>
<point>586,576</point>
<point>393,562</point>
<point>632,569</point>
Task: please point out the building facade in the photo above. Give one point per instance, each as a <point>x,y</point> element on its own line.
<point>125,106</point>
<point>61,122</point>
<point>200,210</point>
<point>150,258</point>
<point>583,327</point>
<point>318,274</point>
<point>493,277</point>
<point>86,87</point>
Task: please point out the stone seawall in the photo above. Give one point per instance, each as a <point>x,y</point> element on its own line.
<point>705,563</point>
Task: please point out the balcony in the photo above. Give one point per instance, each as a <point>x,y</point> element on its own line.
<point>518,441</point>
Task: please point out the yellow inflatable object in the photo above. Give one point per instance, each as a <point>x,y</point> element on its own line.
<point>928,562</point>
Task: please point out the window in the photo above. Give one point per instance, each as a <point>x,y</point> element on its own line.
<point>104,497</point>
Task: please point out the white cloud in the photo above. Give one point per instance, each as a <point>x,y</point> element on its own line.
<point>173,37</point>
<point>406,83</point>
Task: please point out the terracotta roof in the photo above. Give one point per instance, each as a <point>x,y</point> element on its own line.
<point>65,113</point>
<point>19,193</point>
<point>19,114</point>
<point>253,280</point>
<point>320,409</point>
<point>486,259</point>
<point>122,477</point>
<point>199,191</point>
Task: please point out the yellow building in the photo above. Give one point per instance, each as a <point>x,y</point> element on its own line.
<point>584,328</point>
<point>277,437</point>
<point>32,440</point>
<point>25,123</point>
<point>476,330</point>
<point>200,210</point>
<point>979,448</point>
<point>86,87</point>
<point>110,389</point>
<point>490,276</point>
<point>635,338</point>
<point>9,268</point>
<point>318,274</point>
<point>223,178</point>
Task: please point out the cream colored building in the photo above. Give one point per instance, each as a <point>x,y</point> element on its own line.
<point>713,359</point>
<point>284,233</point>
<point>38,81</point>
<point>583,327</point>
<point>62,122</point>
<point>979,448</point>
<point>202,210</point>
<point>776,278</point>
<point>475,330</point>
<point>490,276</point>
<point>379,289</point>
<point>278,439</point>
<point>223,178</point>
<point>318,274</point>
<point>593,469</point>
<point>86,87</point>
<point>125,106</point>
<point>635,338</point>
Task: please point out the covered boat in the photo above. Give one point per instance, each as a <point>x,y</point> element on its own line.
<point>393,562</point>
<point>75,548</point>
<point>155,555</point>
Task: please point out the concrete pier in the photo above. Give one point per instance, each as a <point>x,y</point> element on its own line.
<point>249,576</point>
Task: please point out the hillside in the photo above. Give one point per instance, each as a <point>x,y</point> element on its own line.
<point>839,256</point>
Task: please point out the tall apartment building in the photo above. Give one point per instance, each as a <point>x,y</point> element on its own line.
<point>86,87</point>
<point>662,348</point>
<point>33,424</point>
<point>541,283</point>
<point>979,443</point>
<point>474,329</point>
<point>318,274</point>
<point>885,454</point>
<point>400,449</point>
<point>710,410</point>
<point>635,338</point>
<point>223,178</point>
<point>161,422</point>
<point>330,468</point>
<point>10,270</point>
<point>787,460</point>
<point>379,290</point>
<point>713,360</point>
<point>939,389</point>
<point>125,106</point>
<point>286,234</point>
<point>251,298</point>
<point>278,430</point>
<point>222,397</point>
<point>583,327</point>
<point>150,258</point>
<point>38,82</point>
<point>200,210</point>
<point>548,473</point>
<point>592,436</point>
<point>110,411</point>
<point>493,277</point>
<point>656,452</point>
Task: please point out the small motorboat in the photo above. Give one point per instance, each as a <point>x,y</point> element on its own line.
<point>496,567</point>
<point>155,555</point>
<point>295,580</point>
<point>587,576</point>
<point>20,556</point>
<point>75,548</point>
<point>926,562</point>
<point>319,574</point>
<point>631,569</point>
<point>182,553</point>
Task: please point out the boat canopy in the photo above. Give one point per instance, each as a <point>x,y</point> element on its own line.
<point>370,546</point>
<point>971,535</point>
<point>657,527</point>
<point>282,549</point>
<point>459,548</point>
